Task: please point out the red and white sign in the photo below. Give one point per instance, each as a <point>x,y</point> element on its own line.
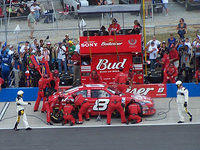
<point>110,44</point>
<point>151,90</point>
<point>108,65</point>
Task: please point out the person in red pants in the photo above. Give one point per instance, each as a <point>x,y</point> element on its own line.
<point>115,104</point>
<point>67,113</point>
<point>170,73</point>
<point>95,78</point>
<point>197,75</point>
<point>42,84</point>
<point>134,109</point>
<point>84,106</point>
<point>121,79</point>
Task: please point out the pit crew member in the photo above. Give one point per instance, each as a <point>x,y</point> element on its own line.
<point>95,78</point>
<point>121,80</point>
<point>170,73</point>
<point>116,104</point>
<point>114,27</point>
<point>134,110</point>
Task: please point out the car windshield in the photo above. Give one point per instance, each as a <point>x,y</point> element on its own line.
<point>113,92</point>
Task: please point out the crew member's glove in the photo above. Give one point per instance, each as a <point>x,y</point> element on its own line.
<point>185,104</point>
<point>29,103</point>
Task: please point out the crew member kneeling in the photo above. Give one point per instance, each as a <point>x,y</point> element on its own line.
<point>20,110</point>
<point>134,109</point>
<point>67,113</point>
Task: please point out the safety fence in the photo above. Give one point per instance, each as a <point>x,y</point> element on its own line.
<point>152,90</point>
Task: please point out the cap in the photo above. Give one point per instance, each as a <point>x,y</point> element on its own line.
<point>48,43</point>
<point>164,42</point>
<point>114,20</point>
<point>178,82</point>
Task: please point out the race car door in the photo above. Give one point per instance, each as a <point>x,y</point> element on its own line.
<point>101,99</point>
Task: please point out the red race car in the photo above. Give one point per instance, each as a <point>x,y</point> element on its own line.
<point>99,97</point>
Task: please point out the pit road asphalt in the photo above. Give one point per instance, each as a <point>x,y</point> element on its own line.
<point>166,137</point>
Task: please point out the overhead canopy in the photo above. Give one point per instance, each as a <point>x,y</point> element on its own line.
<point>110,8</point>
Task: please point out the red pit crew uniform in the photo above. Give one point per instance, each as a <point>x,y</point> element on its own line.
<point>95,79</point>
<point>170,73</point>
<point>42,84</point>
<point>57,81</point>
<point>67,114</point>
<point>80,101</point>
<point>52,103</point>
<point>197,76</point>
<point>165,60</point>
<point>133,110</point>
<point>121,79</point>
<point>115,104</point>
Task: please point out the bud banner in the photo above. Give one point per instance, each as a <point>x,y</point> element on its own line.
<point>108,65</point>
<point>110,44</point>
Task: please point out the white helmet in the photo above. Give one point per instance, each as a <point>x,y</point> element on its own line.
<point>178,82</point>
<point>20,92</point>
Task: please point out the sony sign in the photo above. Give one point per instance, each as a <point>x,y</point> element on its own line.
<point>104,64</point>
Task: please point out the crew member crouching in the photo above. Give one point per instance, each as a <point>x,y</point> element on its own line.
<point>84,105</point>
<point>67,113</point>
<point>134,110</point>
<point>20,110</point>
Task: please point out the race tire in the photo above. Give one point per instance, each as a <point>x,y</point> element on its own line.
<point>57,116</point>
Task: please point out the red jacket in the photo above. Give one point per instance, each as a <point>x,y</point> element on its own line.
<point>42,84</point>
<point>171,71</point>
<point>57,81</point>
<point>165,60</point>
<point>76,58</point>
<point>134,109</point>
<point>121,78</point>
<point>114,27</point>
<point>1,81</point>
<point>173,54</point>
<point>197,75</point>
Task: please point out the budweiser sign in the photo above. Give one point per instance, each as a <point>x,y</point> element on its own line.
<point>104,64</point>
<point>152,90</point>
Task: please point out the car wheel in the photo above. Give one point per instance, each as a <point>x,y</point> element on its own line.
<point>57,116</point>
<point>187,6</point>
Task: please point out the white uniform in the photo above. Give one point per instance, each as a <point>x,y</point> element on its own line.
<point>182,97</point>
<point>20,106</point>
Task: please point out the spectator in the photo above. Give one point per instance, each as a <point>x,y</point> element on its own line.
<point>174,57</point>
<point>16,64</point>
<point>163,49</point>
<point>50,49</point>
<point>102,2</point>
<point>170,73</point>
<point>61,50</point>
<point>165,6</point>
<point>114,28</point>
<point>26,9</point>
<point>24,46</point>
<point>110,2</point>
<point>11,50</point>
<point>182,28</point>
<point>31,22</point>
<point>20,11</point>
<point>103,31</point>
<point>71,49</point>
<point>156,42</point>
<point>153,51</point>
<point>188,43</point>
<point>66,40</point>
<point>36,10</point>
<point>148,8</point>
<point>45,54</point>
<point>136,28</point>
<point>171,40</point>
<point>35,45</point>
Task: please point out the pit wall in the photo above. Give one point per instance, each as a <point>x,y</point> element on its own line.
<point>152,90</point>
